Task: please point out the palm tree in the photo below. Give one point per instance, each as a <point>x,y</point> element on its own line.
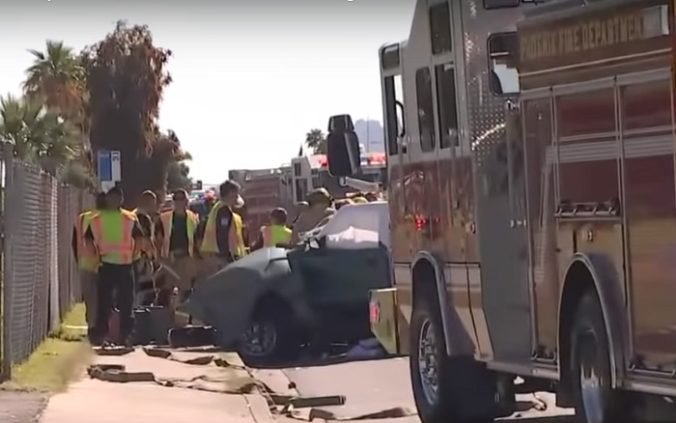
<point>56,77</point>
<point>316,140</point>
<point>37,134</point>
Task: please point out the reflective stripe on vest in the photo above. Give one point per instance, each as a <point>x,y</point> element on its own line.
<point>113,236</point>
<point>275,234</point>
<point>167,224</point>
<point>87,259</point>
<point>235,236</point>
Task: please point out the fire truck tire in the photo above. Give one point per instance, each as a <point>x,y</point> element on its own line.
<point>457,397</point>
<point>271,337</point>
<point>595,400</point>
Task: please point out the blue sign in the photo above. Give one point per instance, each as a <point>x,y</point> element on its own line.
<point>109,168</point>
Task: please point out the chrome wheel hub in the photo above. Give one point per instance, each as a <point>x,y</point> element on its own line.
<point>259,339</point>
<point>428,367</point>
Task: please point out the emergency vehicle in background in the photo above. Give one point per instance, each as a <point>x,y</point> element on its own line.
<point>533,206</point>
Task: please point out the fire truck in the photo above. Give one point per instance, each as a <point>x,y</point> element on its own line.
<point>531,153</point>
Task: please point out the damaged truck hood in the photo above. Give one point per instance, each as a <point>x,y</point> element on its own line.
<point>227,299</point>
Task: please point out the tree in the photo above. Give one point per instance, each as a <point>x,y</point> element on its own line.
<point>179,176</point>
<point>56,78</point>
<point>316,140</point>
<point>166,149</point>
<point>38,135</point>
<point>126,77</point>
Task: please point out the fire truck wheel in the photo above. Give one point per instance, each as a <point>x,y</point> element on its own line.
<point>595,400</point>
<point>440,388</point>
<point>270,337</point>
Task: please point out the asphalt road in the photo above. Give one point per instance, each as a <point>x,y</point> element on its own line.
<point>382,386</point>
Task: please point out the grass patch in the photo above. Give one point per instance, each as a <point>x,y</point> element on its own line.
<point>57,361</point>
<point>74,325</point>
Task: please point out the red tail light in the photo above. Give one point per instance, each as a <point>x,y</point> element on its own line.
<point>421,222</point>
<point>374,312</point>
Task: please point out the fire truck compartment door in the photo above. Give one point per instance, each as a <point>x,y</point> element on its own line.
<point>383,318</point>
<point>504,247</point>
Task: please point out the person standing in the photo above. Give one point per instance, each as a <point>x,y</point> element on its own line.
<point>223,240</point>
<point>117,236</point>
<point>176,236</point>
<point>88,263</point>
<point>144,261</point>
<point>276,234</point>
<point>319,210</point>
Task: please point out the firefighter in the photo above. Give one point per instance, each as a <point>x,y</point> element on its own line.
<point>319,210</point>
<point>223,240</point>
<point>276,234</point>
<point>117,237</point>
<point>88,263</point>
<point>144,260</point>
<point>176,235</point>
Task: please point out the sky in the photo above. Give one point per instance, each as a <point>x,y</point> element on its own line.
<point>251,77</point>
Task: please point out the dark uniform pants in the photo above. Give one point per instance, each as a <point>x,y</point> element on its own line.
<point>116,288</point>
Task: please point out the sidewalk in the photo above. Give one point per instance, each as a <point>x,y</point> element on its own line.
<point>93,400</point>
<point>20,407</point>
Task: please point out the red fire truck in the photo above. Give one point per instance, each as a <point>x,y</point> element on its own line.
<point>531,156</point>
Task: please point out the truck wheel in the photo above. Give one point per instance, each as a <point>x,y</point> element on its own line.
<point>595,400</point>
<point>270,337</point>
<point>445,390</point>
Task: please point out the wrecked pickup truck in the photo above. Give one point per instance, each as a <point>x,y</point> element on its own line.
<point>270,303</point>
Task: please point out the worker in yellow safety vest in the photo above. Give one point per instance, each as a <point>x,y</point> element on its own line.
<point>145,260</point>
<point>117,236</point>
<point>223,239</point>
<point>88,263</point>
<point>176,237</point>
<point>276,234</point>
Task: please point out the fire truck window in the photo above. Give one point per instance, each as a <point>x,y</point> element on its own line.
<point>448,112</point>
<point>502,56</point>
<point>646,105</point>
<point>393,121</point>
<point>440,28</point>
<point>590,113</point>
<point>423,87</point>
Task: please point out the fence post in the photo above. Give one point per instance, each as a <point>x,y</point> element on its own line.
<point>8,157</point>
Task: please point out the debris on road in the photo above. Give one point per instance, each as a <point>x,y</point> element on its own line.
<point>216,388</point>
<point>366,349</point>
<point>117,373</point>
<point>113,351</point>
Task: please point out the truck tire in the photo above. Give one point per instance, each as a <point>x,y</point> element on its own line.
<point>595,400</point>
<point>446,390</point>
<point>271,337</point>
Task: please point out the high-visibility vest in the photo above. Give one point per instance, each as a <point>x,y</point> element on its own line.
<point>87,259</point>
<point>113,235</point>
<point>139,253</point>
<point>275,234</point>
<point>235,236</point>
<point>167,223</point>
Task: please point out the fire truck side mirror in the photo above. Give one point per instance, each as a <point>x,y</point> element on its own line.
<point>343,152</point>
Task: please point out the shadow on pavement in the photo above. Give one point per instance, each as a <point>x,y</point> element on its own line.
<point>313,361</point>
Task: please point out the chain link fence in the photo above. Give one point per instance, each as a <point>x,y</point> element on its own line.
<point>39,275</point>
